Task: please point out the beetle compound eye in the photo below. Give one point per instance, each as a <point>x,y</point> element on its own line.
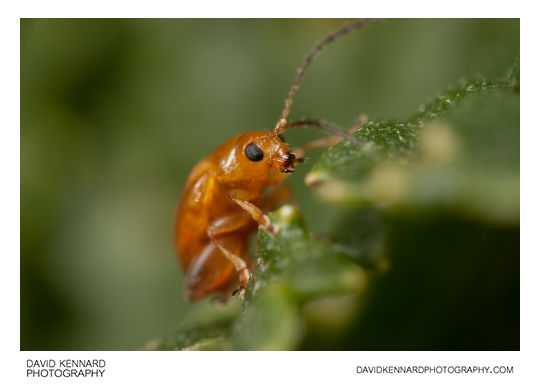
<point>254,153</point>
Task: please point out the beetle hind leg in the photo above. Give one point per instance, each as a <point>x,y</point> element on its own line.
<point>228,234</point>
<point>211,272</point>
<point>239,264</point>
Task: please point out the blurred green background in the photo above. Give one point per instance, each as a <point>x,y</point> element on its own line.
<point>115,113</point>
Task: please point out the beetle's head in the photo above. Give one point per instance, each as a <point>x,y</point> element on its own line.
<point>263,156</point>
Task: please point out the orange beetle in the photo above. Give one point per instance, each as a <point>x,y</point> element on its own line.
<point>222,201</point>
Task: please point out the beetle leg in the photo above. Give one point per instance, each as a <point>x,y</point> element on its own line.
<point>210,272</point>
<point>259,216</point>
<point>239,264</point>
<point>359,123</point>
<point>331,140</point>
<point>228,224</point>
<point>324,142</point>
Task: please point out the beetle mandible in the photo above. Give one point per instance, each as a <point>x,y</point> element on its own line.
<point>222,202</point>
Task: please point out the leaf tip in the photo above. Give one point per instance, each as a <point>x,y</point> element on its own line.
<point>288,216</point>
<point>315,178</point>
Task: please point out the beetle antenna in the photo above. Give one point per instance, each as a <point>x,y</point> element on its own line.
<point>282,122</point>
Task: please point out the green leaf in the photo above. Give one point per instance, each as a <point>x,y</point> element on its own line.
<point>309,267</point>
<point>206,328</point>
<point>462,145</point>
<point>513,76</point>
<point>292,270</point>
<point>269,322</point>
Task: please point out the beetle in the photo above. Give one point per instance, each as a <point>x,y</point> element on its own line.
<point>222,201</point>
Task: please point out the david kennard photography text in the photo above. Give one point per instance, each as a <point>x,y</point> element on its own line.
<point>65,368</point>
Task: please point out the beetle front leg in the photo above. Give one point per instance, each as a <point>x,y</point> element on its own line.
<point>241,197</point>
<point>325,141</point>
